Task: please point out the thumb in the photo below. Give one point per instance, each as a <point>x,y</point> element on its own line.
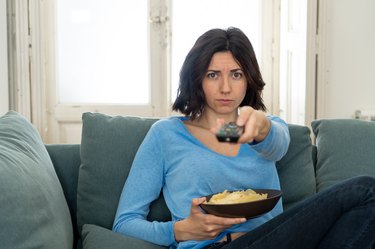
<point>244,115</point>
<point>195,204</point>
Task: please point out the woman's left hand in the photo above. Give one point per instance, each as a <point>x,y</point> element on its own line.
<point>256,125</point>
<point>201,226</point>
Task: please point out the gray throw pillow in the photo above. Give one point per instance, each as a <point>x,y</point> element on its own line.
<point>345,148</point>
<point>108,148</point>
<point>296,168</point>
<point>95,237</point>
<point>33,209</point>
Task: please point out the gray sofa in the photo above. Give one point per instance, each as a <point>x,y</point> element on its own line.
<point>65,196</point>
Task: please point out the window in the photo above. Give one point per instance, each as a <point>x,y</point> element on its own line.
<point>101,56</point>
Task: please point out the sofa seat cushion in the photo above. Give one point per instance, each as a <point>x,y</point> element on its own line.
<point>296,168</point>
<point>33,209</point>
<point>345,148</point>
<point>96,237</point>
<point>108,147</point>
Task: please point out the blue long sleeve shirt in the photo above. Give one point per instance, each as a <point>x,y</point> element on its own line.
<point>171,160</point>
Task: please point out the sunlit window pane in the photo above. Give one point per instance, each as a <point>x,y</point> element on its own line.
<point>102,52</point>
<point>191,18</point>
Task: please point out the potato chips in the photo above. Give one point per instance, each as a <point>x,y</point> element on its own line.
<point>234,197</point>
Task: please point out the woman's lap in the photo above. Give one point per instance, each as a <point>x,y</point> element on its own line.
<point>342,216</point>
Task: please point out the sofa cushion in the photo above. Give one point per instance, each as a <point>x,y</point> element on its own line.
<point>66,160</point>
<point>108,147</point>
<point>345,148</point>
<point>95,237</point>
<point>33,209</point>
<point>296,168</point>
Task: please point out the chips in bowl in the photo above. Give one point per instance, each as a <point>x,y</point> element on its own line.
<point>240,196</point>
<point>246,203</point>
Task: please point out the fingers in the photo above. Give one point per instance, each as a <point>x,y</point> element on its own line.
<point>214,224</point>
<point>212,218</point>
<point>219,123</point>
<point>248,118</point>
<point>245,113</point>
<point>227,221</point>
<point>256,125</point>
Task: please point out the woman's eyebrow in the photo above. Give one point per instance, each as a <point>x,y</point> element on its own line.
<point>213,71</point>
<point>218,71</point>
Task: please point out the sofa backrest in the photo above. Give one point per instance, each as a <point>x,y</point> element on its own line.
<point>296,168</point>
<point>108,146</point>
<point>345,149</point>
<point>66,161</point>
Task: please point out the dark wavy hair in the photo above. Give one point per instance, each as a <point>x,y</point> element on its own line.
<point>190,98</point>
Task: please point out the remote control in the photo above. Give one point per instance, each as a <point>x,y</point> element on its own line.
<point>229,133</point>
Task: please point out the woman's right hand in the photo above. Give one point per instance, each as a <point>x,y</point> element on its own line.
<point>201,226</point>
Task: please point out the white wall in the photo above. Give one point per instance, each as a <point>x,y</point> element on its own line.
<point>4,98</point>
<point>350,55</point>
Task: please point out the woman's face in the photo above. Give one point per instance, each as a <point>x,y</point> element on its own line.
<point>224,84</point>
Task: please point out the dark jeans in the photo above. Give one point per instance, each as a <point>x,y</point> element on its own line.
<point>341,217</point>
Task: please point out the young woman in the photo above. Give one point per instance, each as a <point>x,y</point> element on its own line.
<point>220,82</point>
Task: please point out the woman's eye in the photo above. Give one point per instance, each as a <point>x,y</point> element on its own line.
<point>237,75</point>
<point>211,75</point>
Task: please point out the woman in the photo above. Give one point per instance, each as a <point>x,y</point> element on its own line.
<point>220,82</point>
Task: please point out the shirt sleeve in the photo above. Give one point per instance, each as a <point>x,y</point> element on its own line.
<point>276,143</point>
<point>143,186</point>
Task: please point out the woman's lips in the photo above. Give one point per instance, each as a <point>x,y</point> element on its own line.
<point>225,101</point>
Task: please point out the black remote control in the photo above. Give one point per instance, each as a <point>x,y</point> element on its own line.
<point>229,133</point>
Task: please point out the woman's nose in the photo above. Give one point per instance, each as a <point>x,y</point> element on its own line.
<point>225,85</point>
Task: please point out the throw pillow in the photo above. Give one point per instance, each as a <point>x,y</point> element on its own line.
<point>296,168</point>
<point>33,209</point>
<point>108,147</point>
<point>345,148</point>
